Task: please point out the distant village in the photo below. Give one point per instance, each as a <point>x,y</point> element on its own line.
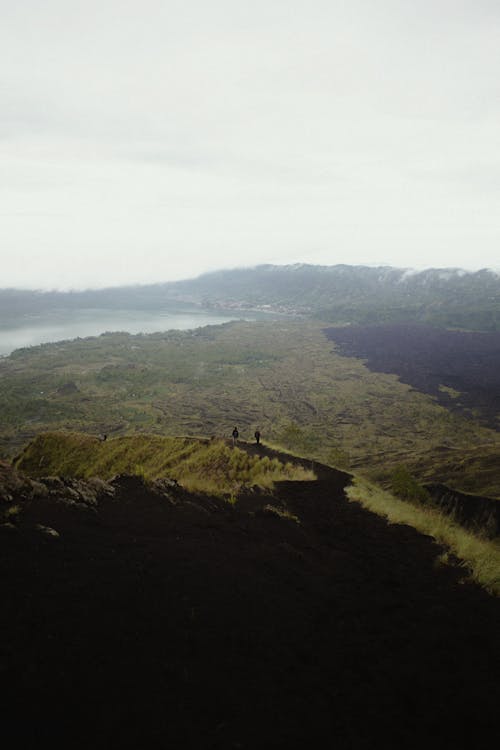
<point>283,309</point>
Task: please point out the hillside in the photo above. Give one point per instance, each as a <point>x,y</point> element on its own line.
<point>201,465</point>
<point>358,294</point>
<point>286,378</point>
<point>337,293</point>
<point>140,615</point>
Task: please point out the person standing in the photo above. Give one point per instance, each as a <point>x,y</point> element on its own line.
<point>235,435</point>
<point>257,436</point>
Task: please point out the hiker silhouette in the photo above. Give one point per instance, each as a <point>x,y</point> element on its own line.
<point>257,436</point>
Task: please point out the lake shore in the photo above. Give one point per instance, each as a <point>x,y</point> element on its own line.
<point>62,325</point>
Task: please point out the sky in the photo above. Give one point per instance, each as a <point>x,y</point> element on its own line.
<point>156,140</point>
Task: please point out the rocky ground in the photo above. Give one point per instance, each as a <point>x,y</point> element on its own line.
<point>137,617</point>
<point>428,358</point>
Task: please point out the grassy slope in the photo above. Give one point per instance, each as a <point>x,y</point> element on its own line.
<point>481,557</point>
<point>200,465</point>
<point>283,377</point>
<point>213,467</point>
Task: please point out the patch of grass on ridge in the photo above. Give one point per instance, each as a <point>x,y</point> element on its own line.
<point>209,466</point>
<point>480,557</point>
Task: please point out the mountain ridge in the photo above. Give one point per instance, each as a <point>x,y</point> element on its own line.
<point>338,293</point>
<point>406,271</point>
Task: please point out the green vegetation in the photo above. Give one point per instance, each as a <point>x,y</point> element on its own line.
<point>406,487</point>
<point>480,558</point>
<point>451,392</point>
<point>357,294</point>
<point>284,377</point>
<point>199,465</point>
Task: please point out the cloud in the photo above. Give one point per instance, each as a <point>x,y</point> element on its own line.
<point>172,137</point>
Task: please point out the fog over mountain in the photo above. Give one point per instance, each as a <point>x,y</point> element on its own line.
<point>341,293</point>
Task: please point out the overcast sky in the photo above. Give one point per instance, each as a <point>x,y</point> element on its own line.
<point>156,139</point>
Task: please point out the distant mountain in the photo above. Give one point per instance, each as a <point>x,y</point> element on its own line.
<point>361,294</point>
<point>341,293</point>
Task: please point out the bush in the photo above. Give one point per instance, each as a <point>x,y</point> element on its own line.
<point>406,487</point>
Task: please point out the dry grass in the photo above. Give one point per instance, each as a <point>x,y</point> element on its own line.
<point>480,557</point>
<point>200,465</point>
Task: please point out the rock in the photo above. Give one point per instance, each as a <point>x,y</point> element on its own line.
<point>166,488</point>
<point>48,531</point>
<point>39,489</point>
<point>53,483</point>
<point>124,478</point>
<point>101,487</point>
<point>76,492</point>
<point>268,511</point>
<point>67,389</point>
<point>165,483</point>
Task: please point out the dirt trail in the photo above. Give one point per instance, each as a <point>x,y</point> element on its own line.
<point>175,621</point>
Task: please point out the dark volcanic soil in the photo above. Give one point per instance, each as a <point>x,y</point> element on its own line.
<point>426,357</point>
<point>175,621</point>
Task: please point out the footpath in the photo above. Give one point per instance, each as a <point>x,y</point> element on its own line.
<point>158,619</point>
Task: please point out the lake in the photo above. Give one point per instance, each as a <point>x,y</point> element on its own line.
<point>70,324</point>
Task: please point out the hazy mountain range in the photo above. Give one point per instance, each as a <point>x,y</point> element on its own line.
<point>341,293</point>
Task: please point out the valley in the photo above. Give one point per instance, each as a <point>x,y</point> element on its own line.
<point>284,377</point>
<point>340,579</point>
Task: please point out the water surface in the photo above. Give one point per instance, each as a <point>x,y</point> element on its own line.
<point>31,330</point>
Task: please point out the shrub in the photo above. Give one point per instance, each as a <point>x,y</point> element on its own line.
<point>406,487</point>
